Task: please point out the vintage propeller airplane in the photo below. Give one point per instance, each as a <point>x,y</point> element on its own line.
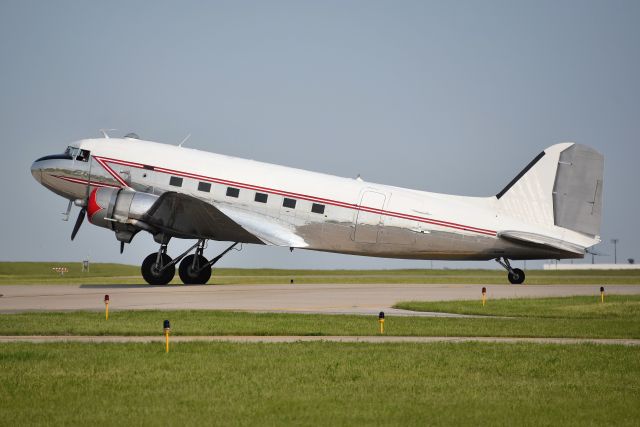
<point>551,210</point>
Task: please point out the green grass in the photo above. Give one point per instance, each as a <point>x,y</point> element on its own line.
<point>42,273</point>
<point>623,307</point>
<point>619,317</point>
<point>318,384</point>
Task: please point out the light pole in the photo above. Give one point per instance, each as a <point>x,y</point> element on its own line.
<point>615,250</point>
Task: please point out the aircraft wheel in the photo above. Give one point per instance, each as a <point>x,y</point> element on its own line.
<point>189,276</point>
<point>517,277</point>
<point>152,275</point>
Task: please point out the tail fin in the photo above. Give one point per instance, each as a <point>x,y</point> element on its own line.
<point>562,186</point>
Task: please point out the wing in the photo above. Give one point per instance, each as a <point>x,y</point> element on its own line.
<point>184,216</point>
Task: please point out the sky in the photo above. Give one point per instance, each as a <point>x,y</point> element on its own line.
<point>451,96</point>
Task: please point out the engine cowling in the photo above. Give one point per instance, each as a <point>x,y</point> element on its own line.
<point>119,210</point>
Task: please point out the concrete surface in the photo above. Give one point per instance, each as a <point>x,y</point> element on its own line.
<point>323,298</point>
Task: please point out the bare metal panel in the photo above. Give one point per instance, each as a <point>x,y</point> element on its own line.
<point>368,223</point>
<point>577,191</point>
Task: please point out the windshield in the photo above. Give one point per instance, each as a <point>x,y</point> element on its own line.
<point>77,154</point>
<point>71,151</point>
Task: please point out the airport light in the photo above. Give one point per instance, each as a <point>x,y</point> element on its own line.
<point>602,294</point>
<point>381,321</point>
<point>106,307</point>
<point>615,250</point>
<point>167,329</point>
<point>484,295</point>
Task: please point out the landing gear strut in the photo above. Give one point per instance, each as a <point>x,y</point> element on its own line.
<point>158,268</point>
<point>516,276</point>
<point>194,269</point>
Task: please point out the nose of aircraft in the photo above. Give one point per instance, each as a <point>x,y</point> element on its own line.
<point>36,170</point>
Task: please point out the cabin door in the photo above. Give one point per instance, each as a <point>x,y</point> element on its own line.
<point>368,222</point>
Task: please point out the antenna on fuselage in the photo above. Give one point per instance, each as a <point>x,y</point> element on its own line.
<point>184,140</point>
<point>104,132</point>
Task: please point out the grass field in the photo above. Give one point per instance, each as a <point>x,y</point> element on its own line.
<point>327,383</point>
<point>318,384</point>
<point>578,317</point>
<point>575,307</point>
<point>42,273</point>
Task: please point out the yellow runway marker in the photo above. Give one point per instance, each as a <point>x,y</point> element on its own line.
<point>167,329</point>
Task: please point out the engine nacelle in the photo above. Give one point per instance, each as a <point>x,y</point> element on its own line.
<point>119,210</point>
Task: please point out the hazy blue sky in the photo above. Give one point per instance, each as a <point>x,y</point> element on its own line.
<point>447,96</point>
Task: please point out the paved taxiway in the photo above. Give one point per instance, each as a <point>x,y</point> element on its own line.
<point>323,298</point>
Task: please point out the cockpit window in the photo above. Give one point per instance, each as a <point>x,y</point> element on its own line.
<point>76,153</point>
<point>71,151</point>
<point>83,156</point>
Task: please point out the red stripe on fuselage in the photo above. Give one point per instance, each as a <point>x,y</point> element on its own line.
<point>104,160</point>
<point>83,182</point>
<point>111,171</point>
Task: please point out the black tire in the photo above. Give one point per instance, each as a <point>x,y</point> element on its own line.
<point>191,277</point>
<point>517,277</point>
<point>154,277</point>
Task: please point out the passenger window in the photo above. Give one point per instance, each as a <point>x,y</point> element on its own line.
<point>261,198</point>
<point>233,192</point>
<point>175,181</point>
<point>289,203</point>
<point>317,208</point>
<point>204,186</point>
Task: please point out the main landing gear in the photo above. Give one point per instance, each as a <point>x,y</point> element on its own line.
<point>159,268</point>
<point>516,276</point>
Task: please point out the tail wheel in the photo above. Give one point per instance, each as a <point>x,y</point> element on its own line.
<point>154,275</point>
<point>516,277</point>
<point>190,275</point>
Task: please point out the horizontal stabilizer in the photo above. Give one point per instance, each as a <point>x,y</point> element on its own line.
<point>541,240</point>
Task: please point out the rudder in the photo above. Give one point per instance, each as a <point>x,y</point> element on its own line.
<point>577,191</point>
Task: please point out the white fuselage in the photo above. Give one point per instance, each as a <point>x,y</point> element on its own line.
<point>331,213</point>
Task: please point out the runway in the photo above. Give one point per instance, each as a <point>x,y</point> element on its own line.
<point>322,298</point>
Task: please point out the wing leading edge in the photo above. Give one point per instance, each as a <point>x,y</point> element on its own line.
<point>185,216</point>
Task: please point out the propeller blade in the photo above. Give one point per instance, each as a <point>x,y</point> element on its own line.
<point>76,227</point>
<point>121,247</point>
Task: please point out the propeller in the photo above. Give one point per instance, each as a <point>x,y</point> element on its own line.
<point>84,203</point>
<point>79,221</point>
<point>121,246</point>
